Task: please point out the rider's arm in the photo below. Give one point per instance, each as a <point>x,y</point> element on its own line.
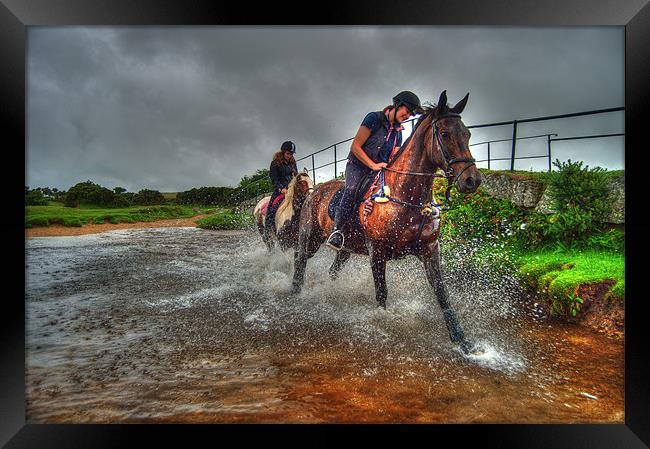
<point>362,135</point>
<point>275,177</point>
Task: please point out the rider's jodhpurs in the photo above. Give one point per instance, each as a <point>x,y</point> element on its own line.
<point>353,176</point>
<point>270,210</point>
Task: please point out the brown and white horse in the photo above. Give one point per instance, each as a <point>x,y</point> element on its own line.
<point>404,221</point>
<point>287,215</point>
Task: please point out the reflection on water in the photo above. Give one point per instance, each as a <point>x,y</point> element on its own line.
<point>187,325</point>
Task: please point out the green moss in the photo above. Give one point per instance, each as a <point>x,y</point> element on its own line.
<point>560,273</point>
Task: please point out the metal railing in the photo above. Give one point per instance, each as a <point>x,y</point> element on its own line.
<point>550,138</point>
<point>514,139</point>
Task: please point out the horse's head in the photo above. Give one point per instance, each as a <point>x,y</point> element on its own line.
<point>448,145</point>
<point>300,186</point>
<point>304,185</point>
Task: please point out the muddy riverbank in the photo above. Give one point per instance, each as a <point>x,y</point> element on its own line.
<point>58,230</point>
<point>187,325</point>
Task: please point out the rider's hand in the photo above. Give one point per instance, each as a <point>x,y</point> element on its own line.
<point>379,166</point>
<point>283,191</point>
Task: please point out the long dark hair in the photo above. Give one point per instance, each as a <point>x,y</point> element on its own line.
<point>278,158</point>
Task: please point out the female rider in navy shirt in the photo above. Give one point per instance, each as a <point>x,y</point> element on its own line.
<point>379,133</point>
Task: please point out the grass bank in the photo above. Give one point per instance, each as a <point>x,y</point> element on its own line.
<point>576,264</point>
<point>560,274</point>
<point>227,219</point>
<point>57,213</point>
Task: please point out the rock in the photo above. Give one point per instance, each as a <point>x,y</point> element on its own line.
<point>533,194</point>
<point>616,198</point>
<point>545,203</point>
<point>522,192</point>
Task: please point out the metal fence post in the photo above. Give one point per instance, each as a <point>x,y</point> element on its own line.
<point>334,161</point>
<point>488,155</point>
<point>313,169</point>
<point>514,144</point>
<point>549,152</point>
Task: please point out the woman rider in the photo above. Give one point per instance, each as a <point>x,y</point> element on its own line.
<point>283,169</point>
<point>376,138</point>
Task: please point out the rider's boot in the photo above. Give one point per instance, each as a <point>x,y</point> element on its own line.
<point>336,238</point>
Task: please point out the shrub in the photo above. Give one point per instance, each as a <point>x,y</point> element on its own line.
<point>574,187</point>
<point>34,197</point>
<point>72,222</point>
<point>36,221</point>
<point>578,195</point>
<point>89,193</point>
<point>148,197</point>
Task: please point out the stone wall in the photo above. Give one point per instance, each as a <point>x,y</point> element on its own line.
<point>530,194</point>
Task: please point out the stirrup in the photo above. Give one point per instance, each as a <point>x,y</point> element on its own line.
<point>342,240</point>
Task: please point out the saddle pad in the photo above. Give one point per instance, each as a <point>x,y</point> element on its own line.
<point>278,200</point>
<point>361,189</point>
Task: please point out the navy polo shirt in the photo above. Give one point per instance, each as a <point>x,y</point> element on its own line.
<point>373,121</point>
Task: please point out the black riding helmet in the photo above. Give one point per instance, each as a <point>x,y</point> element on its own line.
<point>288,146</point>
<point>408,99</point>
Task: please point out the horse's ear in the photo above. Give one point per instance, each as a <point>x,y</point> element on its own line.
<point>442,102</point>
<point>305,171</point>
<point>460,105</point>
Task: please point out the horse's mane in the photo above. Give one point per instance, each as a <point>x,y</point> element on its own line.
<point>428,110</point>
<point>285,211</point>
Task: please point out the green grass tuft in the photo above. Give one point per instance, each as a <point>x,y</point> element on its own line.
<point>226,220</point>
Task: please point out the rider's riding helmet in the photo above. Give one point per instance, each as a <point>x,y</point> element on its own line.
<point>289,146</point>
<point>408,99</point>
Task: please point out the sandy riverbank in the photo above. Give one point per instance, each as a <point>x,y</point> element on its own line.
<point>57,230</point>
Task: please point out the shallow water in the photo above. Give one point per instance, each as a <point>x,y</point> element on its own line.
<point>188,325</point>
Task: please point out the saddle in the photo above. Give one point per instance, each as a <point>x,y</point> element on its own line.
<point>360,190</point>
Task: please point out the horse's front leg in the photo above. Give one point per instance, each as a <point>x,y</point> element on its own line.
<point>340,259</point>
<point>431,262</point>
<point>378,264</point>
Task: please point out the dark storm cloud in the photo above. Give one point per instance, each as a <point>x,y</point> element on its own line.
<point>175,108</point>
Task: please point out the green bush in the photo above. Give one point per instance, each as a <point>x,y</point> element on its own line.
<point>147,196</point>
<point>34,197</point>
<point>575,187</point>
<point>89,193</point>
<point>578,196</point>
<point>36,221</point>
<point>72,222</point>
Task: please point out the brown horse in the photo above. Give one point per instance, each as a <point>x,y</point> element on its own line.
<point>404,220</point>
<point>287,215</point>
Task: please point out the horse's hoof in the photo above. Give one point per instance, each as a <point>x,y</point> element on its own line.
<point>471,349</point>
<point>467,348</point>
<point>295,289</point>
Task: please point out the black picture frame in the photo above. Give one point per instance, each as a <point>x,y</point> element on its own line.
<point>16,15</point>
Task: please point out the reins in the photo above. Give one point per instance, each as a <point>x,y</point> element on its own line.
<point>449,174</point>
<point>431,209</point>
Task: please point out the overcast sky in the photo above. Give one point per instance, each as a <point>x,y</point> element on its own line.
<point>171,108</point>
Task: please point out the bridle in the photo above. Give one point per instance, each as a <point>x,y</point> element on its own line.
<point>431,209</point>
<point>449,172</point>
